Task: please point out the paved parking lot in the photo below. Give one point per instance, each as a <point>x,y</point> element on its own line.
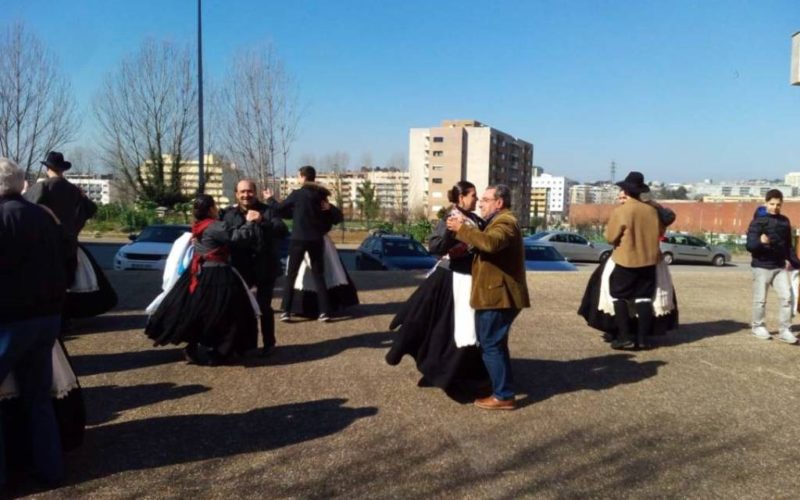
<point>710,412</point>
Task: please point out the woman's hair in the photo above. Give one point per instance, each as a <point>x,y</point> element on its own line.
<point>202,206</point>
<point>460,189</point>
<point>12,179</point>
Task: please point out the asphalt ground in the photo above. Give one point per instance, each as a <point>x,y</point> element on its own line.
<point>711,412</point>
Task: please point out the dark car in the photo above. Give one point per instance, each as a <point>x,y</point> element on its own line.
<point>391,252</point>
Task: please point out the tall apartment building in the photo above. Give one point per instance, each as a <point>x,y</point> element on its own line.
<point>466,150</point>
<point>99,188</point>
<point>582,194</point>
<point>391,189</point>
<point>550,195</point>
<point>220,177</point>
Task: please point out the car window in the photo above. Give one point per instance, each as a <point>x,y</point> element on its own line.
<point>366,245</point>
<point>559,238</point>
<point>540,252</point>
<point>539,235</point>
<point>695,242</point>
<point>161,234</point>
<point>680,240</point>
<point>574,238</point>
<point>404,248</point>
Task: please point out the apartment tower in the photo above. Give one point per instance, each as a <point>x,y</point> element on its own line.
<point>466,150</point>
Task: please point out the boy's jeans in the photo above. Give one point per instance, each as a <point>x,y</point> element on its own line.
<point>780,281</point>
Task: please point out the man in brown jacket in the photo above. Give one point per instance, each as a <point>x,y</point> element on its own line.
<point>499,287</point>
<point>634,229</point>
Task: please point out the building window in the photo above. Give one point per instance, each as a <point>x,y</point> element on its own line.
<point>438,153</point>
<point>437,168</point>
<point>436,180</point>
<point>438,139</point>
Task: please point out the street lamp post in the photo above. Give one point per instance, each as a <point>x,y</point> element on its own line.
<point>201,177</point>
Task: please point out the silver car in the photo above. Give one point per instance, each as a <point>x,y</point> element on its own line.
<point>573,246</point>
<point>685,248</point>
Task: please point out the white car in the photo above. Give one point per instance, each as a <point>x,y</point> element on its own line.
<point>149,249</point>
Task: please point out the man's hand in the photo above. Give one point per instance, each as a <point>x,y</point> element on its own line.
<point>253,216</point>
<point>267,193</point>
<point>764,239</point>
<point>325,205</point>
<point>454,222</point>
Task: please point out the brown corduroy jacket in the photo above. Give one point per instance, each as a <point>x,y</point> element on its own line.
<point>498,270</point>
<point>634,229</point>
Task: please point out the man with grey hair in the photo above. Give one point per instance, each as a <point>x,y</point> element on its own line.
<point>32,273</point>
<point>499,287</point>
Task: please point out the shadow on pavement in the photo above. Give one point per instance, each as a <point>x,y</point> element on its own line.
<point>543,379</point>
<point>91,364</point>
<point>160,441</point>
<point>692,332</point>
<point>108,323</point>
<point>300,353</point>
<point>104,403</point>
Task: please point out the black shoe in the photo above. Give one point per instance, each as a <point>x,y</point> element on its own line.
<point>267,350</point>
<point>286,317</point>
<point>190,355</point>
<point>622,344</point>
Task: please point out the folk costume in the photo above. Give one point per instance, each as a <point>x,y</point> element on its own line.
<point>437,324</point>
<point>209,307</point>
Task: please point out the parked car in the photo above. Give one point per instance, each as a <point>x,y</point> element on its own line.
<point>392,252</point>
<point>542,256</point>
<point>685,248</point>
<point>573,246</point>
<point>149,249</point>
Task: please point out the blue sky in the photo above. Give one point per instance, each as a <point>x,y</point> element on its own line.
<point>681,90</point>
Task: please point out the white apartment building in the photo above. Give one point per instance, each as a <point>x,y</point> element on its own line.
<point>581,194</point>
<point>99,188</point>
<point>220,177</point>
<point>740,191</point>
<point>792,179</point>
<point>466,150</point>
<point>552,189</point>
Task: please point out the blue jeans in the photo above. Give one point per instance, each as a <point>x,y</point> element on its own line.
<point>26,348</point>
<point>493,326</point>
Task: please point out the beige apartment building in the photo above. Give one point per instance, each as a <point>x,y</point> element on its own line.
<point>220,177</point>
<point>391,190</point>
<point>469,150</point>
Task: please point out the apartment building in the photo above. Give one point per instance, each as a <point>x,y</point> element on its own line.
<point>220,177</point>
<point>466,150</point>
<point>550,195</point>
<point>390,185</point>
<point>99,188</point>
<point>582,194</point>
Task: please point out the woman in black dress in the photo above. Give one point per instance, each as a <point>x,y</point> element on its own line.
<point>210,307</point>
<point>437,325</point>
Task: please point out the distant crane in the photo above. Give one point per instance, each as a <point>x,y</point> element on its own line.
<point>613,171</point>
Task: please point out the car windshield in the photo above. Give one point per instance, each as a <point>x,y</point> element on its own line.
<point>540,252</point>
<point>161,234</point>
<point>403,248</point>
<point>539,235</point>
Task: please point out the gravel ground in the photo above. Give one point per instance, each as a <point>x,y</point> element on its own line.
<point>710,412</point>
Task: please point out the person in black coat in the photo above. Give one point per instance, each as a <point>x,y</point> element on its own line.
<point>769,241</point>
<point>31,297</point>
<point>258,261</point>
<point>312,217</point>
<point>72,207</point>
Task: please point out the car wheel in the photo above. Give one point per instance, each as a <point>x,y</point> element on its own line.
<point>604,257</point>
<point>718,260</point>
<point>668,260</point>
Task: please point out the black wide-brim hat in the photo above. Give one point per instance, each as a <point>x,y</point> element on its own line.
<point>55,161</point>
<point>634,184</point>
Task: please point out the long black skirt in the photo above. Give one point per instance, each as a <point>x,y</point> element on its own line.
<point>604,322</point>
<point>427,323</point>
<point>88,304</point>
<point>218,314</point>
<point>306,304</point>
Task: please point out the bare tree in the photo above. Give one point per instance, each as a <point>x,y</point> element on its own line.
<point>337,161</point>
<point>84,160</point>
<point>259,101</point>
<point>398,161</point>
<point>147,113</point>
<point>37,108</point>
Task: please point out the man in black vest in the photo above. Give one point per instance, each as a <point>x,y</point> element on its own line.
<point>72,207</point>
<point>258,261</point>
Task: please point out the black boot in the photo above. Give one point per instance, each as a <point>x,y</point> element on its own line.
<point>623,340</point>
<point>644,313</point>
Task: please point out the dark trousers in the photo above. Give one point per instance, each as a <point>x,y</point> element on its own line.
<point>264,298</point>
<point>26,348</point>
<point>297,251</point>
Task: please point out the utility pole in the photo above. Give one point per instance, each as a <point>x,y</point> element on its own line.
<point>613,171</point>
<point>201,176</point>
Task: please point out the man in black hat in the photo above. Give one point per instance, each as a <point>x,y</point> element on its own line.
<point>72,207</point>
<point>634,229</point>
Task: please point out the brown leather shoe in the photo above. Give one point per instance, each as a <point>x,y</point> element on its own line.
<point>492,403</point>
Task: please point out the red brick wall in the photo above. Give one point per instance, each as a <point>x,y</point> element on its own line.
<point>693,216</point>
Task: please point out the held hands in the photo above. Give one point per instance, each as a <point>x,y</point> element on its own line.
<point>764,239</point>
<point>253,216</point>
<point>454,222</point>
